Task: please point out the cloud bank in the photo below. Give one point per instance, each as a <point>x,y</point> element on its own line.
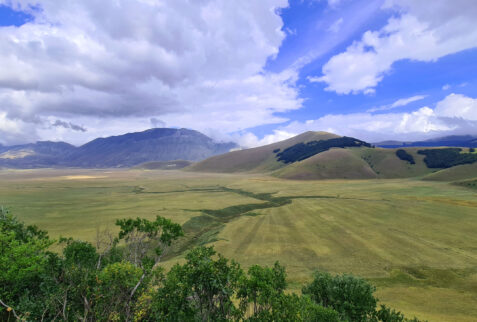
<point>456,114</point>
<point>196,64</point>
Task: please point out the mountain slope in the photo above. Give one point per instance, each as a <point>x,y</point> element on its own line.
<point>160,144</point>
<point>116,151</point>
<point>331,164</point>
<point>321,155</point>
<point>35,155</point>
<point>256,159</point>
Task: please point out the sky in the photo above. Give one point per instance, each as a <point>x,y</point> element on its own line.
<point>248,71</point>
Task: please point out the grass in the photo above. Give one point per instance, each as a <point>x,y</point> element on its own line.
<point>415,240</point>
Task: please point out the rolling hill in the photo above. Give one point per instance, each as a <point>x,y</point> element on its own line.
<point>322,155</point>
<point>260,159</point>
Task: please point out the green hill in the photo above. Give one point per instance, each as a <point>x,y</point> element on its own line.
<point>460,172</point>
<point>322,155</point>
<point>331,164</point>
<point>261,159</point>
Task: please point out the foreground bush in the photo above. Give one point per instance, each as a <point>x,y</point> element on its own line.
<point>120,280</point>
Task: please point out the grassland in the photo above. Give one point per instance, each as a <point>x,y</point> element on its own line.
<point>415,240</point>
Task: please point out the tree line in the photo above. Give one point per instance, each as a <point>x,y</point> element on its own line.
<point>119,278</point>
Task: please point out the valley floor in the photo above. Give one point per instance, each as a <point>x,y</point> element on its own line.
<point>415,240</point>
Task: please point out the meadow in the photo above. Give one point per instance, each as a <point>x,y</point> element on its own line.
<point>415,240</point>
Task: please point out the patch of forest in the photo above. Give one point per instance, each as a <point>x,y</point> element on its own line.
<point>447,157</point>
<point>302,151</point>
<point>403,155</point>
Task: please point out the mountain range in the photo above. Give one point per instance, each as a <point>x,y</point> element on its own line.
<point>159,144</point>
<point>467,141</point>
<point>310,155</point>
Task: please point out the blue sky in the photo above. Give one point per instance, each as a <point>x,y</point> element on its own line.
<point>253,72</point>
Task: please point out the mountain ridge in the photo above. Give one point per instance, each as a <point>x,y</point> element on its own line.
<point>126,150</point>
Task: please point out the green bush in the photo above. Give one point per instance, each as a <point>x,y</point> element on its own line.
<point>350,296</point>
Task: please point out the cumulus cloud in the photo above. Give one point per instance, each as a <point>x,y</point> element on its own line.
<point>458,106</point>
<point>250,140</point>
<point>195,64</point>
<point>416,33</point>
<point>455,114</point>
<point>400,102</point>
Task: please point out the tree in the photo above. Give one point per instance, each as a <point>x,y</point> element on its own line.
<point>350,296</point>
<point>261,287</point>
<point>146,242</point>
<point>23,262</point>
<point>201,289</point>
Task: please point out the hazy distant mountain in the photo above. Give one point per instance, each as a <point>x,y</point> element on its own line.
<point>116,151</point>
<point>151,145</point>
<point>466,141</point>
<point>35,155</point>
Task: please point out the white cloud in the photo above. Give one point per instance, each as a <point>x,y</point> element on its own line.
<point>250,140</point>
<point>400,102</point>
<point>457,105</point>
<point>446,87</point>
<point>418,33</point>
<point>196,64</point>
<point>455,114</point>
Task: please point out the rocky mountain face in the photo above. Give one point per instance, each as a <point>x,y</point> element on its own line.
<point>161,144</point>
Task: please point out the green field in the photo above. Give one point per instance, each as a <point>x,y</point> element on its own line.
<point>415,240</point>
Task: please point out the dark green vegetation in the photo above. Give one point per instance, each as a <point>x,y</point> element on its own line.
<point>120,280</point>
<point>446,158</point>
<point>403,155</point>
<point>302,151</point>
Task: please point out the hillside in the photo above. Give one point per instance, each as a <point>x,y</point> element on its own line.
<point>321,155</point>
<point>460,172</point>
<point>334,163</point>
<point>152,145</point>
<point>126,150</point>
<point>257,159</point>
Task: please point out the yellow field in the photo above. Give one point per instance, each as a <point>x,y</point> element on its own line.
<point>415,240</point>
